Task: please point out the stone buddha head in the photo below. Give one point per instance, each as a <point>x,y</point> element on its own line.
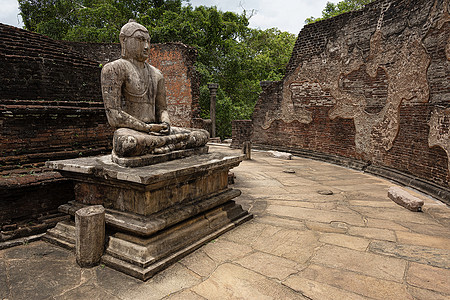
<point>134,41</point>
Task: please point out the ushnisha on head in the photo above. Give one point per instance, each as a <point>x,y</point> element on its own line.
<point>134,41</point>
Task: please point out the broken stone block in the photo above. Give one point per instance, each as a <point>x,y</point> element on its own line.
<point>405,199</point>
<point>281,155</point>
<point>90,235</point>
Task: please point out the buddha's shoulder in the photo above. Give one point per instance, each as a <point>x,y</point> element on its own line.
<point>117,64</point>
<point>155,71</point>
<point>117,68</point>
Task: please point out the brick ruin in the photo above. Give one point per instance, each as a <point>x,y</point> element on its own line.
<point>367,89</point>
<point>51,108</point>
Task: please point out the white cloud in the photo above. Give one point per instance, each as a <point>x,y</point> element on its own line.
<point>9,13</point>
<point>286,15</point>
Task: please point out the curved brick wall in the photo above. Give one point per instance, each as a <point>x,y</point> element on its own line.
<point>369,89</point>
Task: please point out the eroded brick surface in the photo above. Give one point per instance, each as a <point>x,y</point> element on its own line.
<point>370,85</point>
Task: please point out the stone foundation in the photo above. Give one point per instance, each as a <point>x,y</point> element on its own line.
<point>155,214</point>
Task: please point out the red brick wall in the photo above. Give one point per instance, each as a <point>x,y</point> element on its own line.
<point>50,95</point>
<point>51,108</point>
<point>371,86</point>
<point>176,62</point>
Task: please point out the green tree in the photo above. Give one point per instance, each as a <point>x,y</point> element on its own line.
<point>229,52</point>
<point>332,10</point>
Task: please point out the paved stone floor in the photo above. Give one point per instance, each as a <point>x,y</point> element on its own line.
<point>302,244</point>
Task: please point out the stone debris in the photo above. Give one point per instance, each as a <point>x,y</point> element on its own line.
<point>325,192</point>
<point>289,171</point>
<point>405,199</point>
<point>281,155</point>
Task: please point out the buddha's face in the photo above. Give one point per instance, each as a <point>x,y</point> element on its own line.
<point>137,46</point>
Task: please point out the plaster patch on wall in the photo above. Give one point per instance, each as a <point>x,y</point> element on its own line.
<point>406,68</point>
<point>403,66</point>
<point>440,130</point>
<point>320,75</point>
<point>302,94</point>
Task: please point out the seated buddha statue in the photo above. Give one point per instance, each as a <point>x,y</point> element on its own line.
<point>134,96</point>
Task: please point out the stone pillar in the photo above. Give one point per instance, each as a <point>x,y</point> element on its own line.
<point>212,108</point>
<point>247,150</point>
<point>90,235</point>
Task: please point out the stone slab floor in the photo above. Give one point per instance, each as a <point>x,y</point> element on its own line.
<point>302,244</point>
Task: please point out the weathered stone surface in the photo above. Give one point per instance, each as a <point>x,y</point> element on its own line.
<point>346,241</point>
<point>429,277</point>
<point>423,240</point>
<point>424,294</point>
<point>334,227</point>
<point>366,263</point>
<point>222,250</point>
<point>174,279</point>
<point>269,265</point>
<point>324,251</point>
<point>234,282</point>
<point>152,159</point>
<point>147,190</point>
<point>315,215</point>
<point>143,257</point>
<point>38,251</point>
<point>295,245</point>
<point>325,192</point>
<point>89,235</point>
<point>316,290</point>
<point>91,289</point>
<point>398,214</point>
<point>135,100</point>
<point>4,288</point>
<point>373,233</point>
<point>386,224</point>
<point>367,286</point>
<point>280,222</point>
<point>247,150</point>
<point>185,295</point>
<point>422,254</point>
<point>428,229</point>
<point>36,278</point>
<point>199,262</point>
<point>405,199</point>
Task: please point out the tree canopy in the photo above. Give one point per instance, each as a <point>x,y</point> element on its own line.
<point>229,52</point>
<point>332,10</point>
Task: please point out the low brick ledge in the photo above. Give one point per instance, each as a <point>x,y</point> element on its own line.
<point>37,177</point>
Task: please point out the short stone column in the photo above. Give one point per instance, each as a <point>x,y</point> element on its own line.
<point>247,150</point>
<point>90,235</point>
<point>212,107</point>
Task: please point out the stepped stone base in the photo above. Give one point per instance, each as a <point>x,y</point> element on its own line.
<point>155,214</point>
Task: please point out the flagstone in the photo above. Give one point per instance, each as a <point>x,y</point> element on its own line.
<point>355,243</point>
<point>423,240</point>
<point>422,254</point>
<point>373,233</point>
<point>428,277</point>
<point>366,263</point>
<point>353,282</point>
<point>317,290</point>
<point>235,282</point>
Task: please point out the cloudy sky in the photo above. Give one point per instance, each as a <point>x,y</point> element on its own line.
<point>287,15</point>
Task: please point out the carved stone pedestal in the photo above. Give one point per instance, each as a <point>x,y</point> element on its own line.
<point>155,214</point>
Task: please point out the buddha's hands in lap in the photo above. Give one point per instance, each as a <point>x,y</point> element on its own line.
<point>162,128</point>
